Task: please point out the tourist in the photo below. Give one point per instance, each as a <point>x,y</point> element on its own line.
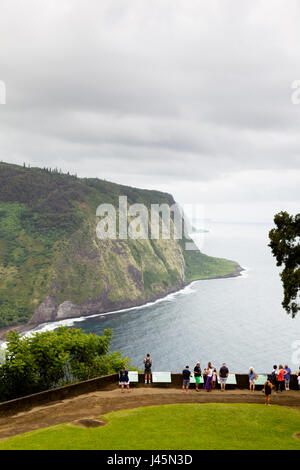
<point>147,365</point>
<point>223,375</point>
<point>298,378</point>
<point>197,375</point>
<point>204,377</point>
<point>214,378</point>
<point>267,391</point>
<point>252,379</point>
<point>124,379</point>
<point>186,374</point>
<point>209,377</point>
<point>274,377</point>
<point>280,378</point>
<point>287,377</point>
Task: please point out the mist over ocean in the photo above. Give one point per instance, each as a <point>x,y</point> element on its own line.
<point>239,321</point>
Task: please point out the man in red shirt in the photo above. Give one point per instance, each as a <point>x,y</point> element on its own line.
<point>280,378</point>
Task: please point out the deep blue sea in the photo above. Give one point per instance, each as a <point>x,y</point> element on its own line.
<point>239,321</point>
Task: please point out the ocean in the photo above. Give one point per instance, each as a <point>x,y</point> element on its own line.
<point>239,321</point>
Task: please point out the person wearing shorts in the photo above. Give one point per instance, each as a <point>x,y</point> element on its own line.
<point>197,375</point>
<point>124,379</point>
<point>267,391</point>
<point>186,375</point>
<point>223,375</point>
<point>147,365</point>
<point>287,377</point>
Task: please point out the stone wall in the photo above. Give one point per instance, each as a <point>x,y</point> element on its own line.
<point>108,382</point>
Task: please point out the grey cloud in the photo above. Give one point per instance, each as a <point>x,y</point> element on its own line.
<point>152,93</point>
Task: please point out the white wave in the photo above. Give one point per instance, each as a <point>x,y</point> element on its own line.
<point>245,272</point>
<point>71,321</point>
<point>187,290</point>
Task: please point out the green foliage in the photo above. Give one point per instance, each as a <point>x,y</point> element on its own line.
<point>285,247</point>
<point>48,246</point>
<point>201,266</point>
<point>49,359</point>
<point>47,218</point>
<point>24,265</point>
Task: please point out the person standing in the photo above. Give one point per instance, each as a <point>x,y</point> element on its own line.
<point>124,379</point>
<point>197,375</point>
<point>251,379</point>
<point>267,391</point>
<point>204,377</point>
<point>209,377</point>
<point>287,377</point>
<point>298,378</point>
<point>186,375</point>
<point>148,366</point>
<point>280,378</point>
<point>274,377</point>
<point>214,378</point>
<point>223,375</point>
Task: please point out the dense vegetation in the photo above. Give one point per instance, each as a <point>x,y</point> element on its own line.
<point>201,266</point>
<point>49,248</point>
<point>175,427</point>
<point>54,358</point>
<point>286,249</point>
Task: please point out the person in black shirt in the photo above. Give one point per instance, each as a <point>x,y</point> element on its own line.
<point>197,375</point>
<point>148,365</point>
<point>274,376</point>
<point>186,374</point>
<point>204,377</point>
<point>223,375</point>
<point>267,391</point>
<point>124,379</point>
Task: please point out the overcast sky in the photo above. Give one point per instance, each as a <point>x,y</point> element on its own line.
<point>192,97</point>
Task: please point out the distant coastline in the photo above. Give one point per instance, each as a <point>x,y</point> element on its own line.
<point>27,327</point>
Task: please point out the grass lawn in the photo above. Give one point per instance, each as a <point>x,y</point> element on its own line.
<point>180,427</point>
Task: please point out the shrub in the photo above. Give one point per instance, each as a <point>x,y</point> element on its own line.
<point>53,358</point>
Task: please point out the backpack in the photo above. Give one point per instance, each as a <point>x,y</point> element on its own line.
<point>147,364</point>
<point>273,376</point>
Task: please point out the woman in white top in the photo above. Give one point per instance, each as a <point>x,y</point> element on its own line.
<point>214,378</point>
<point>209,377</point>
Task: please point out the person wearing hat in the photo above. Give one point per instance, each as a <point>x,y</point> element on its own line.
<point>197,375</point>
<point>223,375</point>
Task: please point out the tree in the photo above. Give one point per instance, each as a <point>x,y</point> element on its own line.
<point>286,249</point>
<point>53,358</point>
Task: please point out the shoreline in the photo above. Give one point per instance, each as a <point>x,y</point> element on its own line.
<point>27,327</point>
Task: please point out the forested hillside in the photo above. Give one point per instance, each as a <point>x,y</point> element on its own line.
<point>52,265</point>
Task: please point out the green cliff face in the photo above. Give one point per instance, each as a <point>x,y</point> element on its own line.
<point>52,264</point>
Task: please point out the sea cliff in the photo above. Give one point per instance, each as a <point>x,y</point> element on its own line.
<point>52,264</point>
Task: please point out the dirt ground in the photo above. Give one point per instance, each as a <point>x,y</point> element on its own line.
<point>92,405</point>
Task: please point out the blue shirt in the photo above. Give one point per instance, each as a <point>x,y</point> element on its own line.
<point>124,376</point>
<point>186,374</point>
<point>251,375</point>
<point>288,375</point>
